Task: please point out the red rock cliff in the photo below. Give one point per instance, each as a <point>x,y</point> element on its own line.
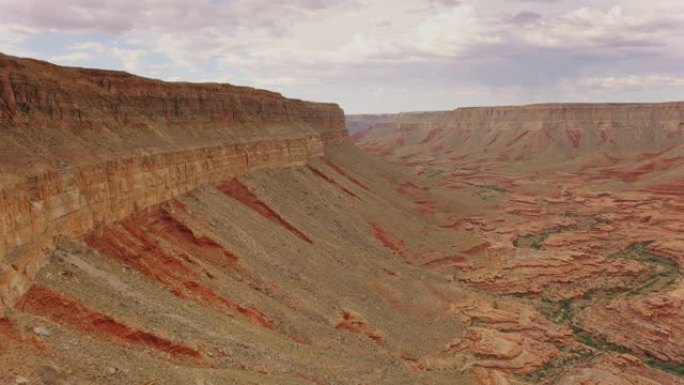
<point>80,148</point>
<point>549,131</point>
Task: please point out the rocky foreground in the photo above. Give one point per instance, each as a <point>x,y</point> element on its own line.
<point>171,233</point>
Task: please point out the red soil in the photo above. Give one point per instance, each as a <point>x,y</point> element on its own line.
<point>201,246</point>
<point>575,137</point>
<point>675,188</point>
<point>606,137</point>
<point>609,161</point>
<point>312,380</point>
<point>634,174</point>
<point>405,187</point>
<point>134,246</point>
<point>344,173</point>
<point>426,206</point>
<point>396,245</point>
<point>299,340</point>
<point>453,261</point>
<point>412,362</point>
<point>354,325</point>
<point>238,191</point>
<point>8,330</point>
<point>408,188</point>
<point>431,135</point>
<point>517,138</point>
<point>42,301</point>
<point>332,181</point>
<point>612,158</point>
<point>478,249</point>
<point>212,297</point>
<point>137,245</point>
<point>653,155</point>
<point>459,157</point>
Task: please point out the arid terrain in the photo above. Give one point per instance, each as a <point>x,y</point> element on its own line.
<point>207,234</point>
<point>579,210</point>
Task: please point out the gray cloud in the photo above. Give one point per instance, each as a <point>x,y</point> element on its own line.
<point>525,17</point>
<point>450,3</point>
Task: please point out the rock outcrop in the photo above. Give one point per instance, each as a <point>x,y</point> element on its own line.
<point>652,324</point>
<point>82,148</point>
<point>548,275</point>
<point>618,370</point>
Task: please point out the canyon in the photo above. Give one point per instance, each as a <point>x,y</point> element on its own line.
<point>579,213</point>
<point>177,233</point>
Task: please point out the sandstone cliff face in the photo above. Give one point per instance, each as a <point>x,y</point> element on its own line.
<point>549,131</point>
<point>82,148</point>
<point>53,115</point>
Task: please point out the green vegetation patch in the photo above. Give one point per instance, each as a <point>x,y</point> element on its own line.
<point>559,365</point>
<point>536,241</point>
<point>597,343</point>
<point>600,344</point>
<point>665,271</point>
<point>667,366</point>
<point>490,187</point>
<point>433,173</point>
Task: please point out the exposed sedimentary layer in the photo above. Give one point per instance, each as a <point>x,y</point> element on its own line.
<point>551,131</point>
<point>81,148</point>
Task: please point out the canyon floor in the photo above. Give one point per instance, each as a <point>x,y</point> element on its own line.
<point>590,245</point>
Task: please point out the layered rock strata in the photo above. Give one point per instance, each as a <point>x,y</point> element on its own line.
<point>82,148</point>
<point>549,131</point>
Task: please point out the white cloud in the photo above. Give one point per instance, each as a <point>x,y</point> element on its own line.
<point>452,32</point>
<point>624,83</point>
<point>614,28</point>
<point>70,58</point>
<point>89,46</point>
<point>79,52</point>
<point>130,58</point>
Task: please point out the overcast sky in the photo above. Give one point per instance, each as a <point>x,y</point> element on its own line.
<point>373,55</point>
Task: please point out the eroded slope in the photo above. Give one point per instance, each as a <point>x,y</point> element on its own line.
<point>277,277</point>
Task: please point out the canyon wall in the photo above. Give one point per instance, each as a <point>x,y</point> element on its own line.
<point>559,131</point>
<point>83,148</point>
<point>510,117</point>
<point>629,126</point>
